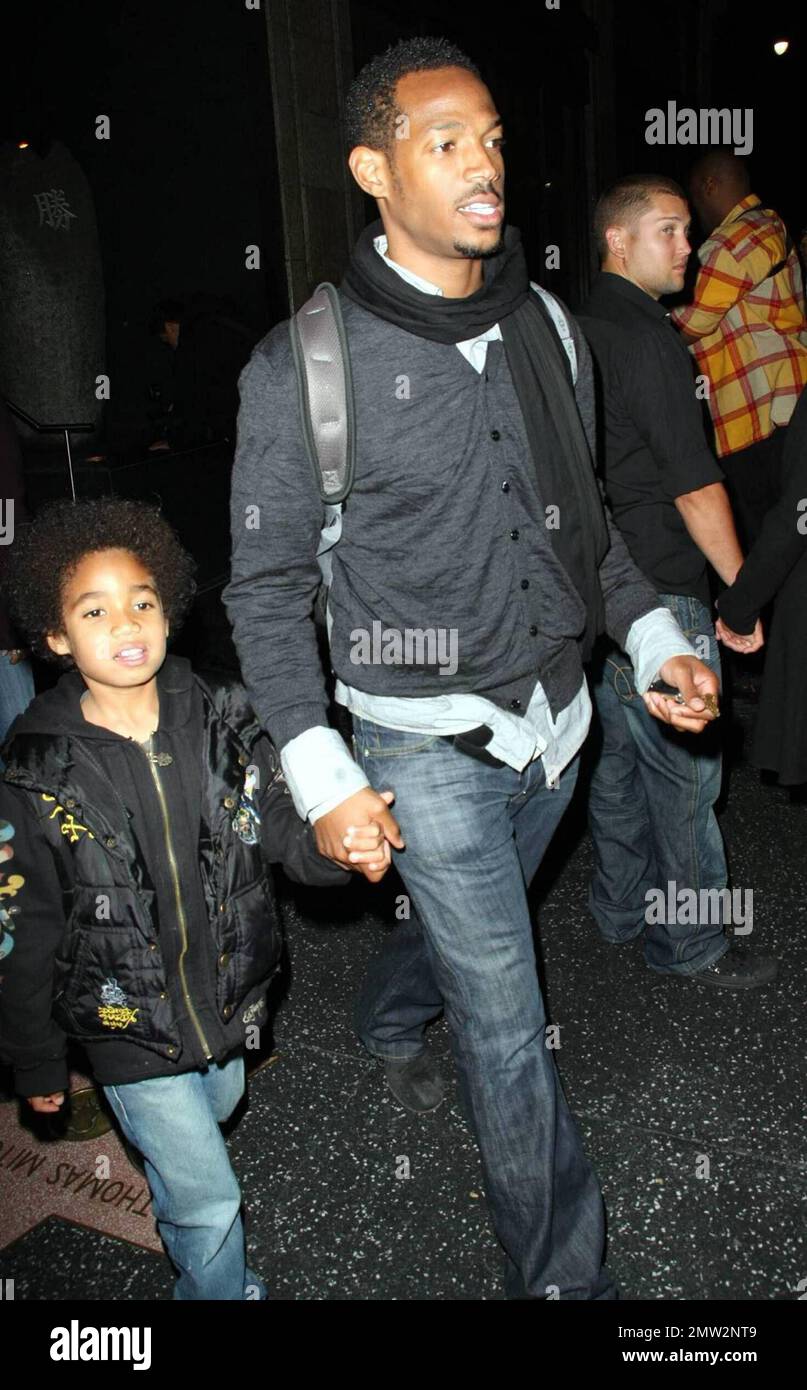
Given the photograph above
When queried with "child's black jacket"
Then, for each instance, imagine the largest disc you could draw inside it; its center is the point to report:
(137, 911)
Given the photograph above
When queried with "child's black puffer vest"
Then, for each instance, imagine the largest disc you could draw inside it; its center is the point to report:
(109, 969)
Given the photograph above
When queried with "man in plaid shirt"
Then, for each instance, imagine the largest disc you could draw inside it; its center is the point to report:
(747, 328)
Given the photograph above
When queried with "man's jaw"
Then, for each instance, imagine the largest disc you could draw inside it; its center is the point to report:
(479, 253)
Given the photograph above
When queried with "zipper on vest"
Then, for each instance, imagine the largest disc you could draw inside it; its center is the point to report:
(153, 759)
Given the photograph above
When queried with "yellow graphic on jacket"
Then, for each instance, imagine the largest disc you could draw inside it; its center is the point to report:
(69, 826)
(114, 1011)
(116, 1018)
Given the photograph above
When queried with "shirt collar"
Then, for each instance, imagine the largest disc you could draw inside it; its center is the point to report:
(380, 244)
(491, 335)
(617, 284)
(749, 201)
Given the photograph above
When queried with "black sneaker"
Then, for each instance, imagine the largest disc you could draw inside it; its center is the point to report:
(416, 1083)
(739, 968)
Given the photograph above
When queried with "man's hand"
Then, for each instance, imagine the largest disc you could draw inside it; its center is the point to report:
(746, 643)
(46, 1105)
(362, 809)
(694, 679)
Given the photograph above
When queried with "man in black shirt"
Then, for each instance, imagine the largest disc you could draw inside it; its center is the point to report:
(658, 846)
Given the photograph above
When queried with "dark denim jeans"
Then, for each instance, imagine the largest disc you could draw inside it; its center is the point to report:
(474, 837)
(651, 810)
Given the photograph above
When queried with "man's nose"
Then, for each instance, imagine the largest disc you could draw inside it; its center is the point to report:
(481, 168)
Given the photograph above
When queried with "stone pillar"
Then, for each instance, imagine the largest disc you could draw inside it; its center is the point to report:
(310, 60)
(52, 301)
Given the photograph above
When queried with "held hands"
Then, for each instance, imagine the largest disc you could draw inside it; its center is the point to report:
(746, 643)
(358, 833)
(46, 1105)
(694, 680)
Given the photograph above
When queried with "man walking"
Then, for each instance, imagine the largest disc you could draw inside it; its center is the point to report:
(652, 795)
(747, 329)
(470, 450)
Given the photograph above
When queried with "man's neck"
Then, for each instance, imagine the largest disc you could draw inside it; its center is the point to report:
(134, 713)
(727, 210)
(616, 268)
(457, 276)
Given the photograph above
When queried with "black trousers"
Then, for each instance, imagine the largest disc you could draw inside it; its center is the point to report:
(753, 479)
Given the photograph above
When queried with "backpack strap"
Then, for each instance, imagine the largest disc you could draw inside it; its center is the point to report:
(325, 389)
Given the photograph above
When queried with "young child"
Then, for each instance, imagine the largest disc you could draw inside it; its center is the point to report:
(141, 804)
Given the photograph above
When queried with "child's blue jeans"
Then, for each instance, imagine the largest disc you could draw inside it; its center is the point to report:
(174, 1122)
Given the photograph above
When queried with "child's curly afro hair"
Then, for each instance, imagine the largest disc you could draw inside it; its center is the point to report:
(45, 554)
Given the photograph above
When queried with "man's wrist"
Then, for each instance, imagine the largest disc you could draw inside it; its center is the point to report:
(317, 812)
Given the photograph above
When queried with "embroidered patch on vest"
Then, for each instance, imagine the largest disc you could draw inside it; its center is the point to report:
(246, 821)
(114, 1011)
(254, 1011)
(69, 826)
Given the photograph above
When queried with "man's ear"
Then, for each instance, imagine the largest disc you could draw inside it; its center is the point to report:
(58, 643)
(370, 169)
(615, 237)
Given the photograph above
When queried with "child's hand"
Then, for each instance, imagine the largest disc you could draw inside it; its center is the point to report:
(46, 1105)
(367, 844)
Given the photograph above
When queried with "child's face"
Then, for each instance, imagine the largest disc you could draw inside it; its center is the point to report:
(113, 622)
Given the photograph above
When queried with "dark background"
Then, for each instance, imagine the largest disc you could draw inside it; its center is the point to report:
(190, 175)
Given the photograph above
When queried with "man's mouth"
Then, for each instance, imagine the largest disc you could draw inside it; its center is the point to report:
(482, 211)
(131, 656)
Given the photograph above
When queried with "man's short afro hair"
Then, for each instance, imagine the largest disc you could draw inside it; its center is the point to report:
(370, 106)
(45, 553)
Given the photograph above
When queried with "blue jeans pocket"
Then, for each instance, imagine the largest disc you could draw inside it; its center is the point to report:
(378, 741)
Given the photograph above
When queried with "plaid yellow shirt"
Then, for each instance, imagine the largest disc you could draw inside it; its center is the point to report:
(750, 326)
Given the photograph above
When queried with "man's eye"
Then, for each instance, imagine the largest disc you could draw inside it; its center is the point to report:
(444, 145)
(500, 142)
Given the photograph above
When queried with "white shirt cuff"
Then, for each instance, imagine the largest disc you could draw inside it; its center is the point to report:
(320, 772)
(651, 641)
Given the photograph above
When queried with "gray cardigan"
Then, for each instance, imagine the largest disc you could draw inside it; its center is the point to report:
(446, 527)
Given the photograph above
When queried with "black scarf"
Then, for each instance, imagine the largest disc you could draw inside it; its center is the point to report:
(541, 376)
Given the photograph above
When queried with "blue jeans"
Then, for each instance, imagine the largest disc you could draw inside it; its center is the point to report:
(651, 811)
(474, 837)
(174, 1122)
(16, 693)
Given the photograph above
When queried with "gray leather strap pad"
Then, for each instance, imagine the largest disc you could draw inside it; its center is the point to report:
(325, 388)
